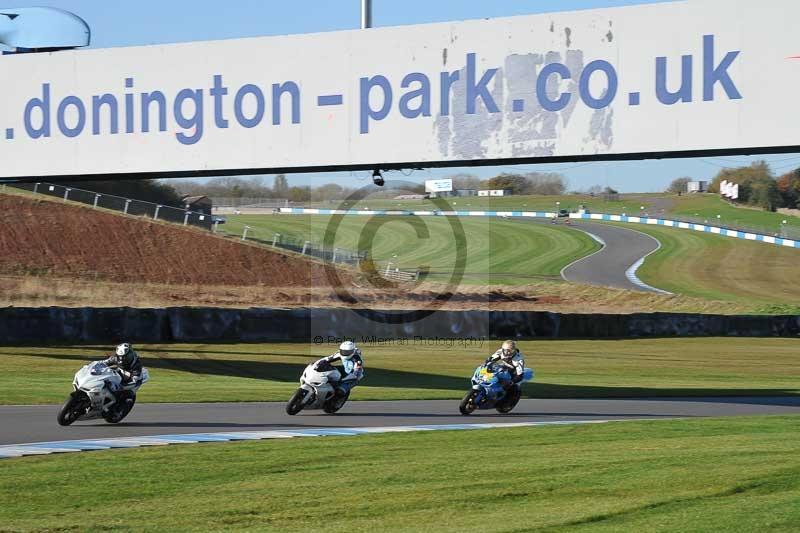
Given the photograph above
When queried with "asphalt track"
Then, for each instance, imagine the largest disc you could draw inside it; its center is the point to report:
(28, 424)
(609, 266)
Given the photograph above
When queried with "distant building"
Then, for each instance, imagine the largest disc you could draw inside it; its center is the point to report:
(411, 197)
(697, 186)
(455, 193)
(496, 192)
(197, 204)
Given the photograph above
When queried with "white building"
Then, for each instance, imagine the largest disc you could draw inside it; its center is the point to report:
(697, 186)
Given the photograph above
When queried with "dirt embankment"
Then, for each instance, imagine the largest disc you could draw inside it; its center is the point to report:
(47, 238)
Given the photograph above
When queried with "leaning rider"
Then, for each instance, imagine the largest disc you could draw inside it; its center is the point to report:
(353, 366)
(127, 363)
(510, 357)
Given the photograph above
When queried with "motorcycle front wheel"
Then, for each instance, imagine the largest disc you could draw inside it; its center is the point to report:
(468, 403)
(69, 412)
(295, 404)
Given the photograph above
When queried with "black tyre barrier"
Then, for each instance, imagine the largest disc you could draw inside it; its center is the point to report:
(20, 325)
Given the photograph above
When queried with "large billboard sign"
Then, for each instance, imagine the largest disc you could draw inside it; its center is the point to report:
(650, 80)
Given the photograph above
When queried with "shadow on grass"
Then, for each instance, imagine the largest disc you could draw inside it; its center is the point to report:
(401, 379)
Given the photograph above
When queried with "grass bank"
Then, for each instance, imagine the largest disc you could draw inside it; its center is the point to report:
(736, 474)
(564, 369)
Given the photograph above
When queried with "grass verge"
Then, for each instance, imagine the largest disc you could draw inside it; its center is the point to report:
(732, 474)
(564, 369)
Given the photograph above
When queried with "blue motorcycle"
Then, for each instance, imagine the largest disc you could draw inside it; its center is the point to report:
(492, 389)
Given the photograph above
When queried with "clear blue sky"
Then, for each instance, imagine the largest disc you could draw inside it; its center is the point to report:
(141, 22)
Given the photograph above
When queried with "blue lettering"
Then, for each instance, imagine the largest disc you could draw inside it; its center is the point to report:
(367, 112)
(97, 103)
(147, 99)
(238, 103)
(712, 74)
(42, 103)
(129, 126)
(447, 79)
(423, 93)
(217, 92)
(684, 94)
(608, 94)
(479, 89)
(278, 90)
(542, 83)
(62, 110)
(194, 121)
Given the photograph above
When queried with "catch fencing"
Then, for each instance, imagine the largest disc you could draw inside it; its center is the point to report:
(303, 246)
(127, 206)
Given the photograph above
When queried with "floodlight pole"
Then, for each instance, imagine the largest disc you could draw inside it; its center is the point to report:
(366, 14)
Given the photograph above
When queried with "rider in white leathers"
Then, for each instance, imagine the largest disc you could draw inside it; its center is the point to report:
(352, 363)
(509, 356)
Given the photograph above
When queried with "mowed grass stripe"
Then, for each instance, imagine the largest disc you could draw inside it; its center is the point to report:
(721, 268)
(732, 474)
(416, 370)
(497, 251)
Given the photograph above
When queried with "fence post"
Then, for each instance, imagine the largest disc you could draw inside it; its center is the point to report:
(244, 233)
(186, 218)
(96, 198)
(305, 245)
(275, 239)
(66, 193)
(36, 187)
(127, 203)
(155, 216)
(216, 225)
(334, 255)
(388, 268)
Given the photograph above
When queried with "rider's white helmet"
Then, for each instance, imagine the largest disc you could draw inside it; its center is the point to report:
(508, 349)
(123, 349)
(347, 349)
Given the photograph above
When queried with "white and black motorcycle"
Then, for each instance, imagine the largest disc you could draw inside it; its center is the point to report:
(94, 396)
(318, 390)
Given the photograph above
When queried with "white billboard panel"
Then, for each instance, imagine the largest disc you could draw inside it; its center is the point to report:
(665, 78)
(723, 188)
(445, 185)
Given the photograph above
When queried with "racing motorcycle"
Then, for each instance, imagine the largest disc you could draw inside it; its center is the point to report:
(94, 396)
(317, 390)
(489, 389)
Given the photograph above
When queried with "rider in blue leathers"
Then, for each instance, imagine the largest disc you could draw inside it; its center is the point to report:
(510, 357)
(352, 363)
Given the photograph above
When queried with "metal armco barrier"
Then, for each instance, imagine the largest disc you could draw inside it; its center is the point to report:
(190, 324)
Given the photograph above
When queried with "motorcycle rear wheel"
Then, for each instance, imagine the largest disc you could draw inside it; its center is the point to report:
(510, 401)
(119, 413)
(69, 411)
(334, 404)
(295, 404)
(468, 403)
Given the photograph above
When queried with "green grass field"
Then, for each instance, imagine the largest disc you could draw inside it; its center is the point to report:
(731, 474)
(723, 268)
(579, 368)
(548, 204)
(497, 251)
(708, 206)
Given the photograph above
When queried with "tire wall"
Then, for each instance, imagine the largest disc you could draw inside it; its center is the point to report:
(191, 324)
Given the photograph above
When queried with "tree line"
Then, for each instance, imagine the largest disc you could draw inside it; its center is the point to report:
(757, 186)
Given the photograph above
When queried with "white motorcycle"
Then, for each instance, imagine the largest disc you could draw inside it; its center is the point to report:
(317, 390)
(93, 397)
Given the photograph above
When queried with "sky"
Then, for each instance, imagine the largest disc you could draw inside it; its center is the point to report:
(142, 22)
